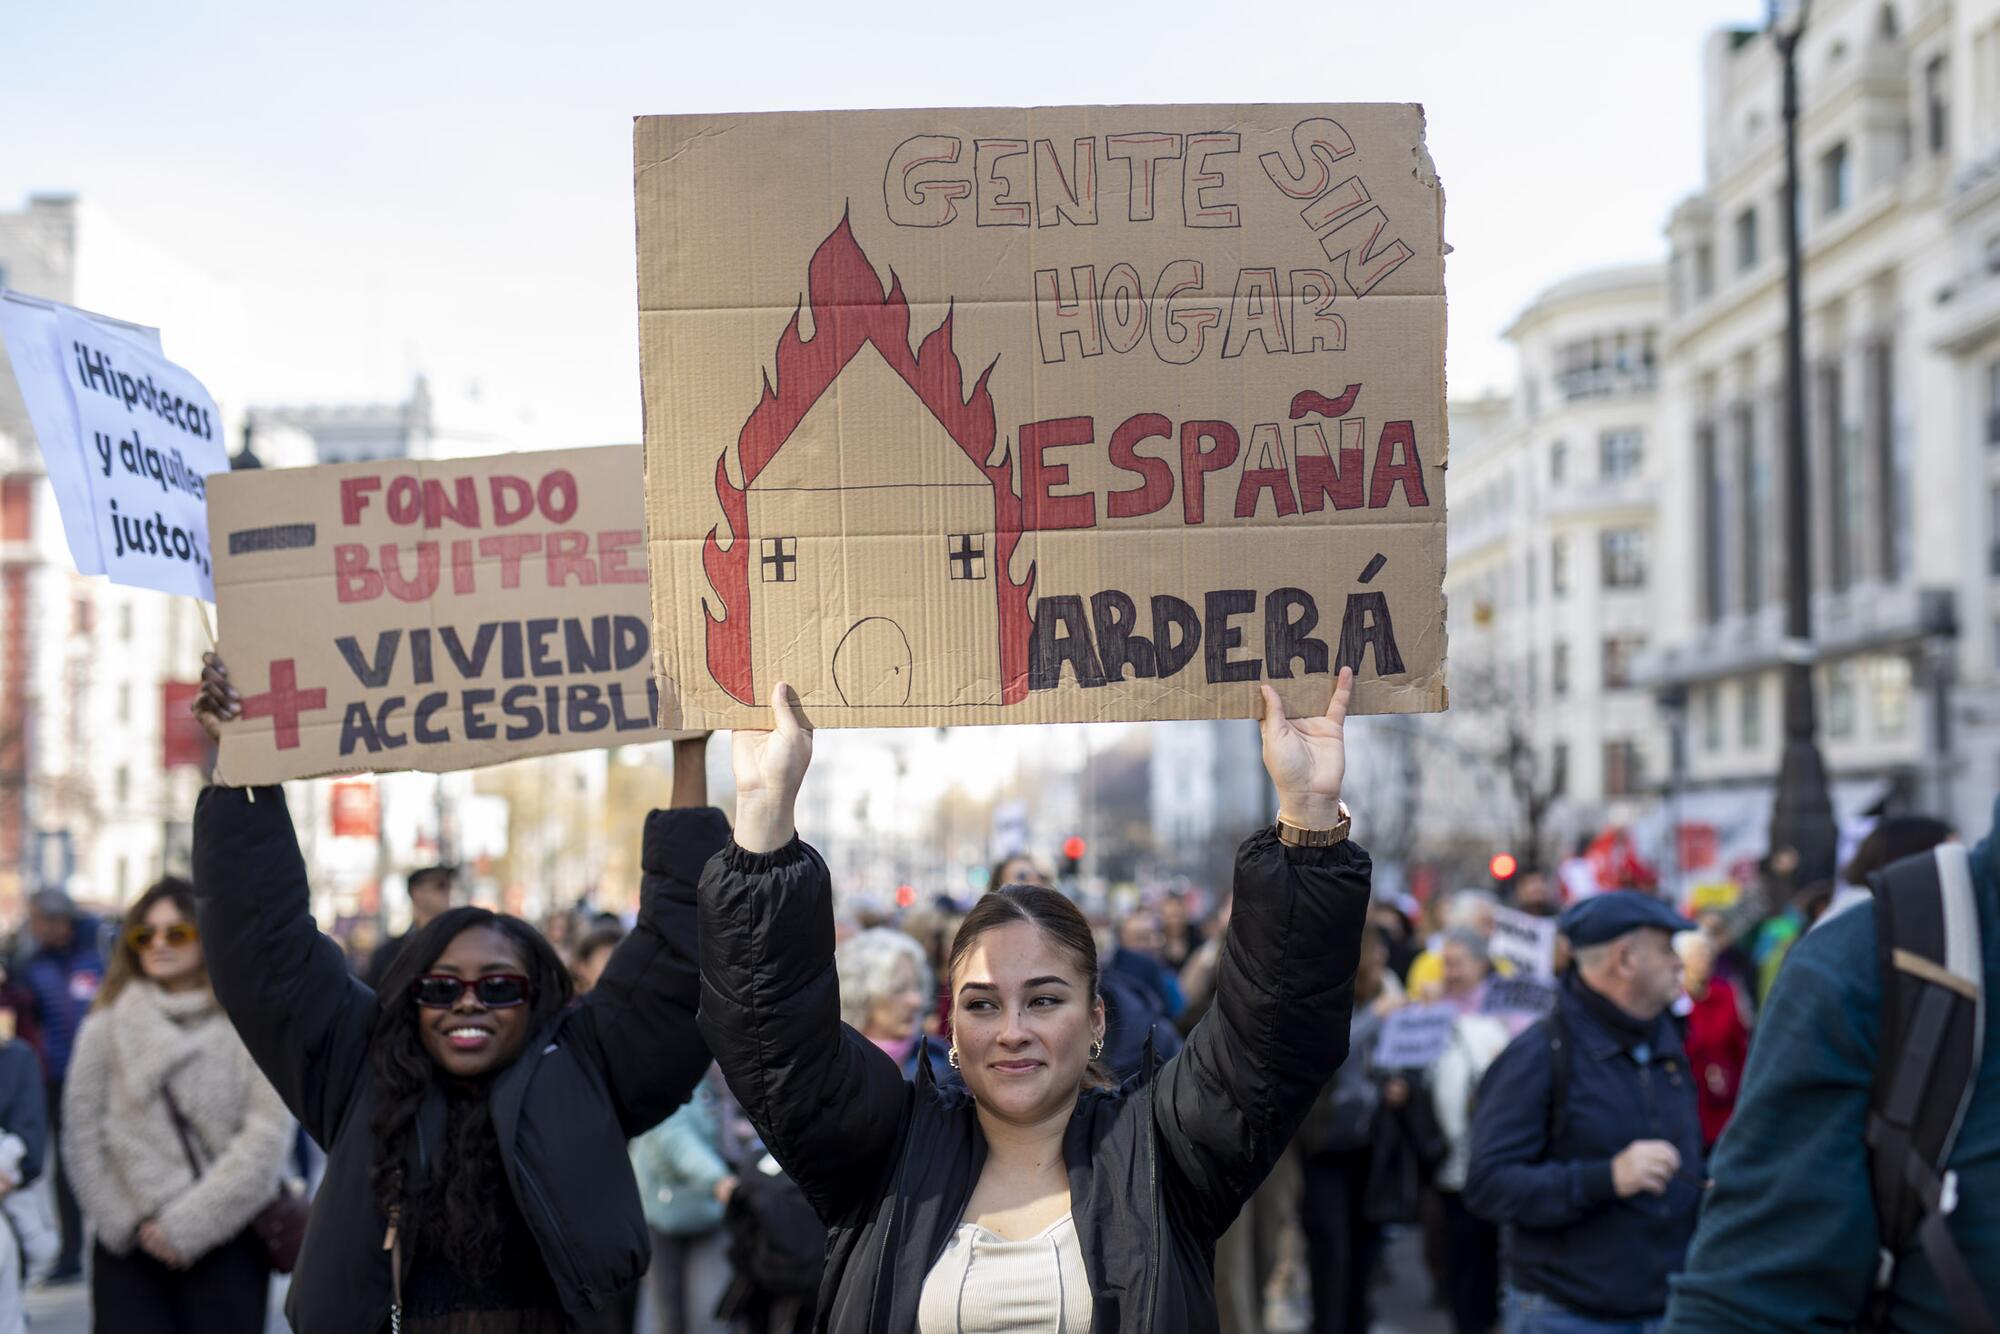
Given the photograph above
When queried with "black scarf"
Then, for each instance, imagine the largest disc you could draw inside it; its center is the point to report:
(1629, 1031)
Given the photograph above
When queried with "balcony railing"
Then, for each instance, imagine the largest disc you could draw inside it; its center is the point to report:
(1606, 381)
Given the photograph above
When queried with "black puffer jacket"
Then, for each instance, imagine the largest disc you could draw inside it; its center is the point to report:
(1157, 1169)
(603, 1071)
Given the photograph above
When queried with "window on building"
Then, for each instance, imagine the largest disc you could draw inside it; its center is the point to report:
(1750, 714)
(1624, 558)
(1746, 240)
(1889, 678)
(124, 701)
(1704, 271)
(1937, 118)
(1993, 404)
(1623, 772)
(121, 785)
(1620, 454)
(1559, 460)
(125, 622)
(1559, 567)
(1840, 701)
(1534, 580)
(17, 509)
(1835, 181)
(1993, 530)
(1559, 768)
(1711, 719)
(1753, 481)
(123, 877)
(1830, 440)
(1619, 652)
(1559, 669)
(1712, 499)
(1892, 493)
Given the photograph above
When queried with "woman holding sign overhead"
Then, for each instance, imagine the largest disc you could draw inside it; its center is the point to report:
(474, 1117)
(1035, 1196)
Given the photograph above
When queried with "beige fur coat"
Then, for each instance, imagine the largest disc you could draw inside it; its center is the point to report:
(124, 1158)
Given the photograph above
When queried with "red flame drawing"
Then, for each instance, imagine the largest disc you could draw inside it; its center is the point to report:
(850, 309)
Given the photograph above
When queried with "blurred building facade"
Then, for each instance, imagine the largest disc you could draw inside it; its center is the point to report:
(1886, 430)
(1550, 579)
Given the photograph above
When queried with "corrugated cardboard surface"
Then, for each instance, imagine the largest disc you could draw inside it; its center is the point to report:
(433, 614)
(980, 416)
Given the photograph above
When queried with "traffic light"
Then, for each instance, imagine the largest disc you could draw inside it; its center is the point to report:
(906, 896)
(1503, 866)
(1073, 849)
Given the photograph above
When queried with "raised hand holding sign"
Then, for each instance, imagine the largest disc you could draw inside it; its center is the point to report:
(770, 766)
(1307, 757)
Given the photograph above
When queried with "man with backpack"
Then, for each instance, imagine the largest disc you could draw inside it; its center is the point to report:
(1586, 1141)
(1858, 1184)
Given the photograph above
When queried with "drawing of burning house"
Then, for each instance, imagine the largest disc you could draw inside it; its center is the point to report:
(868, 553)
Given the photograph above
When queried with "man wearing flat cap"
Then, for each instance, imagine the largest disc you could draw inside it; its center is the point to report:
(1586, 1142)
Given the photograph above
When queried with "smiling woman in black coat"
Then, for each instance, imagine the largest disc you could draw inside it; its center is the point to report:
(1034, 1187)
(474, 1118)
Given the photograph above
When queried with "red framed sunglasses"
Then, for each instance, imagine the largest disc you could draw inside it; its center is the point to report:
(495, 991)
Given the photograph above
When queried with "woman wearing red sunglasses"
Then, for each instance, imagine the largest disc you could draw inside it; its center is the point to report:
(474, 1119)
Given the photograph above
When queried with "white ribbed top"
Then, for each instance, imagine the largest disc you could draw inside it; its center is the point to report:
(985, 1284)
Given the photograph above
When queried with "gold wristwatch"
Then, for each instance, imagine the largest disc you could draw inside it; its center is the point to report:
(1298, 837)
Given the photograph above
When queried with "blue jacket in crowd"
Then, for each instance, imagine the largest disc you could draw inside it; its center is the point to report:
(63, 983)
(1789, 1236)
(1567, 1235)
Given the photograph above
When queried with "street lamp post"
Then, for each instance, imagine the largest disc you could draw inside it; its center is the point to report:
(1802, 814)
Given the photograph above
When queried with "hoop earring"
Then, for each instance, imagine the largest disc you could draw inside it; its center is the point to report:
(1097, 1049)
(952, 1058)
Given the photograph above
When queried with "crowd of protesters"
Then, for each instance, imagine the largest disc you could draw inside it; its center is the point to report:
(980, 1115)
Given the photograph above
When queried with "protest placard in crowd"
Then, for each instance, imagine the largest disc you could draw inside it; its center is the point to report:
(1051, 414)
(128, 438)
(1414, 1036)
(1524, 940)
(1518, 995)
(434, 614)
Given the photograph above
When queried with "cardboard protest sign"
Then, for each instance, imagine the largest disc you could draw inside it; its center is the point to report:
(1524, 940)
(1414, 1036)
(1051, 414)
(128, 439)
(434, 614)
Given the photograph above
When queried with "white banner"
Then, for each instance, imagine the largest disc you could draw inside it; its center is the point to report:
(128, 439)
(1526, 941)
(1414, 1037)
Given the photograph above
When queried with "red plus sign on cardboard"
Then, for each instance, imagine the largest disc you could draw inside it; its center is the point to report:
(283, 703)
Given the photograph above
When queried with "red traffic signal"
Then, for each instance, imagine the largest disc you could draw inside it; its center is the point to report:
(1074, 848)
(1503, 866)
(906, 896)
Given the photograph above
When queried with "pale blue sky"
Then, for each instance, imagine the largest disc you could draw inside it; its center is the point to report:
(447, 185)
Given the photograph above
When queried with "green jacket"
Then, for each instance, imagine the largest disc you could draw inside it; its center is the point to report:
(1788, 1236)
(678, 1165)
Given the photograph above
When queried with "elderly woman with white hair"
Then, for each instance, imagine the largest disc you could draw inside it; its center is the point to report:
(886, 993)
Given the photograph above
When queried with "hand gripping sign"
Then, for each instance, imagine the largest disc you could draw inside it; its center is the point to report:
(1051, 414)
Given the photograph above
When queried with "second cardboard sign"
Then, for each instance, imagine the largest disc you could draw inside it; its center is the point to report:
(1033, 415)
